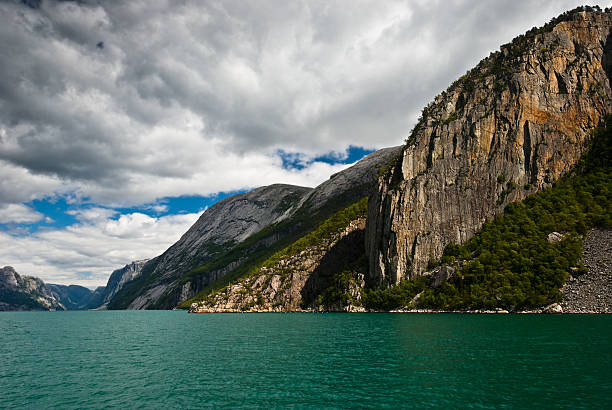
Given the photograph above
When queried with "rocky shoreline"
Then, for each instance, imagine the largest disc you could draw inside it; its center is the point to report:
(551, 309)
(590, 293)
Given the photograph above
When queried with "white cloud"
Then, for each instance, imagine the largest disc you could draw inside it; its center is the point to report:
(92, 214)
(96, 246)
(16, 213)
(18, 184)
(159, 208)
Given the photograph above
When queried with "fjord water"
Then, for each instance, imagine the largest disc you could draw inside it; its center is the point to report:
(164, 359)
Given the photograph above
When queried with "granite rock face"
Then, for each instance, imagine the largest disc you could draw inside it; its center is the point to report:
(508, 128)
(25, 293)
(9, 278)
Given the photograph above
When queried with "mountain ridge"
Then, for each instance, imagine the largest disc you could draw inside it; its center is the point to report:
(214, 248)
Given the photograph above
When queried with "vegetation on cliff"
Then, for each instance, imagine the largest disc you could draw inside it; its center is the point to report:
(328, 228)
(304, 230)
(333, 283)
(511, 263)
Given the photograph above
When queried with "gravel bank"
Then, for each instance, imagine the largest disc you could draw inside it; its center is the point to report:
(592, 292)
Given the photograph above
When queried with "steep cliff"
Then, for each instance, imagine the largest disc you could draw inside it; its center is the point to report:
(235, 234)
(25, 293)
(521, 259)
(509, 128)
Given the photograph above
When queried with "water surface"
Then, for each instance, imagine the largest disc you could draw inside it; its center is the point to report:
(176, 360)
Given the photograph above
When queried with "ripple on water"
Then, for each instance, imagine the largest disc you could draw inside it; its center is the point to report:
(175, 360)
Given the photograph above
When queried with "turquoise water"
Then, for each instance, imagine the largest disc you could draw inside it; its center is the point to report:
(176, 360)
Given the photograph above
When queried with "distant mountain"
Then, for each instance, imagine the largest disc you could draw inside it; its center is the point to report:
(25, 293)
(31, 293)
(118, 279)
(74, 297)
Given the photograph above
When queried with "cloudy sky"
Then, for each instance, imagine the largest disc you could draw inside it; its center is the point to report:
(121, 121)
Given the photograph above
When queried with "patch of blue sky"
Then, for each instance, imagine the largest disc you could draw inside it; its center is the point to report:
(55, 211)
(178, 205)
(56, 214)
(353, 154)
(60, 212)
(300, 161)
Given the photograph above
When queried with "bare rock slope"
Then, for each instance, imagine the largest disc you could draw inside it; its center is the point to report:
(120, 277)
(220, 227)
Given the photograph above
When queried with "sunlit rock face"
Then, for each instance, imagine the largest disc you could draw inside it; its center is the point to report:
(509, 128)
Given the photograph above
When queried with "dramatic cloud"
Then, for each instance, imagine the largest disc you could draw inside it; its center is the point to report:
(118, 104)
(174, 94)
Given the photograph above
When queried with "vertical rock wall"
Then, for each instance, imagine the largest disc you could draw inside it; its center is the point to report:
(508, 128)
